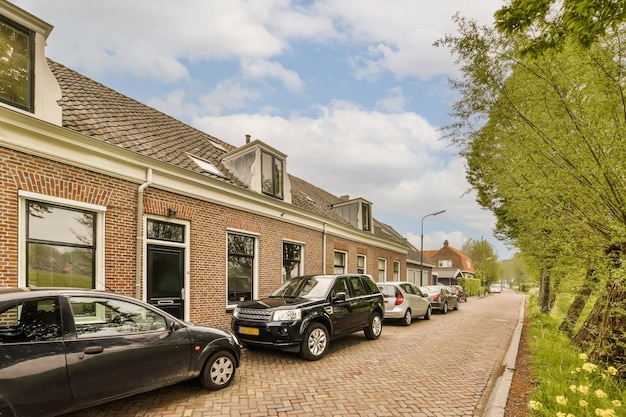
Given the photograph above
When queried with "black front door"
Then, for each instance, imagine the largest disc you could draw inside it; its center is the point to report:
(166, 278)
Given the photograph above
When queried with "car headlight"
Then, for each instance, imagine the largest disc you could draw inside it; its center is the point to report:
(287, 315)
(236, 312)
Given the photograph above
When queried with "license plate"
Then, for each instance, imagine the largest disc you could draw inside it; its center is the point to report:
(252, 331)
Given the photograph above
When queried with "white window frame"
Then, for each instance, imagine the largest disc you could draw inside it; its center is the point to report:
(384, 270)
(100, 212)
(301, 264)
(345, 258)
(364, 257)
(396, 270)
(185, 245)
(255, 263)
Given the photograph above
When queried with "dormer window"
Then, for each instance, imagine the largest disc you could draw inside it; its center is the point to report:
(271, 175)
(357, 212)
(17, 45)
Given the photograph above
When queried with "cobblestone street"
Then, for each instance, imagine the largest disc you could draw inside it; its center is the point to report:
(436, 368)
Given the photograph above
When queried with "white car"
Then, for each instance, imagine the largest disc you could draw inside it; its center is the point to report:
(495, 288)
(404, 301)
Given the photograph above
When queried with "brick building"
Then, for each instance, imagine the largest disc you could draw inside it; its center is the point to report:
(101, 191)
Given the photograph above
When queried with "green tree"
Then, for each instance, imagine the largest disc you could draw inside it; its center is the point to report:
(543, 137)
(550, 24)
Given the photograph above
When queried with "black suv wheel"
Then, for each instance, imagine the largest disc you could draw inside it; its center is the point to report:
(315, 342)
(375, 327)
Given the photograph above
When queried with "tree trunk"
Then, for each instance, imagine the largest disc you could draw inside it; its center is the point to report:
(577, 307)
(544, 296)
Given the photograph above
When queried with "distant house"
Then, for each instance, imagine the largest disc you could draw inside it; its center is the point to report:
(450, 265)
(101, 191)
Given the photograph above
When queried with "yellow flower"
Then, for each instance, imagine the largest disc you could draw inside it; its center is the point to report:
(583, 403)
(573, 388)
(560, 399)
(616, 403)
(612, 370)
(600, 394)
(584, 389)
(583, 356)
(535, 405)
(570, 415)
(605, 413)
(560, 414)
(589, 367)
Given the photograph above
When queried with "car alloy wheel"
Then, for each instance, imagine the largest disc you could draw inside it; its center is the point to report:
(406, 320)
(315, 342)
(219, 371)
(444, 310)
(375, 327)
(429, 310)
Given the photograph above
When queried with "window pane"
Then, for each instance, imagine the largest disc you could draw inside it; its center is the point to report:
(291, 260)
(278, 177)
(15, 66)
(60, 266)
(56, 224)
(171, 232)
(267, 171)
(240, 268)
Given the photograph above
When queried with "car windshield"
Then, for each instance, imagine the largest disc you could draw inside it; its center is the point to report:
(387, 290)
(314, 287)
(431, 289)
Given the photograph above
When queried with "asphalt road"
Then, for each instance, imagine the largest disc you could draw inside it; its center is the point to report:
(445, 366)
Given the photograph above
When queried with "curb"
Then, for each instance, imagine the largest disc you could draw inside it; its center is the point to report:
(500, 393)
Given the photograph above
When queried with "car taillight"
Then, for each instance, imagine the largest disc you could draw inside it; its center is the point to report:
(399, 299)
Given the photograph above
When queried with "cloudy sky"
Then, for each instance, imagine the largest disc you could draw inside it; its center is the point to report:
(353, 91)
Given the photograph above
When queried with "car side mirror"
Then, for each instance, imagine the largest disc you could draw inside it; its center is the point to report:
(340, 296)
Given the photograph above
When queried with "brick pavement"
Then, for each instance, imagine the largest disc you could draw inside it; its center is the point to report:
(437, 368)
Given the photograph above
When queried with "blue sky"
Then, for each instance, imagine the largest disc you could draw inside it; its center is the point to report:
(353, 91)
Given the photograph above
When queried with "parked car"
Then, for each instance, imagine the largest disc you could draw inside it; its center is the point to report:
(404, 301)
(495, 288)
(63, 350)
(305, 313)
(441, 298)
(459, 291)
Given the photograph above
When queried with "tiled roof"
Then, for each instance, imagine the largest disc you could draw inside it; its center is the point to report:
(104, 114)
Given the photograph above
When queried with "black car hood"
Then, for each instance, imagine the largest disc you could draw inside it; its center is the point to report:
(280, 302)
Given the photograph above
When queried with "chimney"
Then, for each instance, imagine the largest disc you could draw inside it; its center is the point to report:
(247, 139)
(445, 244)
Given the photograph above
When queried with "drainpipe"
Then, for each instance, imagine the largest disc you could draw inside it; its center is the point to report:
(324, 249)
(139, 255)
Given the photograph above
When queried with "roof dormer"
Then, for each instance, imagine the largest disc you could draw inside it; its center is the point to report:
(357, 212)
(26, 82)
(261, 167)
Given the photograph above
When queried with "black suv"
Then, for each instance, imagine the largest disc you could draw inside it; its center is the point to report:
(306, 312)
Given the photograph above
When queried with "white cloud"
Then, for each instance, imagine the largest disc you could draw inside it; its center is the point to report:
(259, 69)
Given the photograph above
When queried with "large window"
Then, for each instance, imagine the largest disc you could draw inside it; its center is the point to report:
(16, 65)
(60, 246)
(241, 253)
(340, 263)
(271, 175)
(292, 260)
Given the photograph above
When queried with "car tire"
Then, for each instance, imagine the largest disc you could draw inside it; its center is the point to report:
(315, 342)
(429, 311)
(374, 327)
(406, 320)
(444, 309)
(219, 371)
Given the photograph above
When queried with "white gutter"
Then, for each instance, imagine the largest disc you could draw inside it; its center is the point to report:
(139, 250)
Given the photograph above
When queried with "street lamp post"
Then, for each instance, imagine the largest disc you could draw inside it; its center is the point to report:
(422, 245)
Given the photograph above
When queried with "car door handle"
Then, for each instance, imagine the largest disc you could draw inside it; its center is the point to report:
(93, 350)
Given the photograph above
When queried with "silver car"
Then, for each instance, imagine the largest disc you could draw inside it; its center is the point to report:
(404, 301)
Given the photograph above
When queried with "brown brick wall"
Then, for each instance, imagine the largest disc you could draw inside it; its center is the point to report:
(210, 224)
